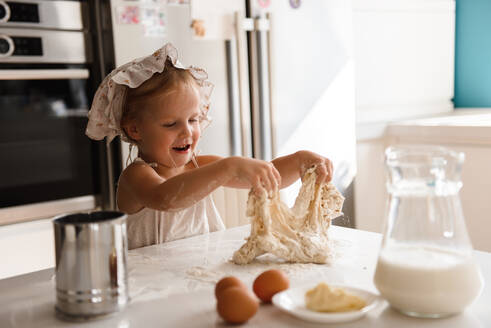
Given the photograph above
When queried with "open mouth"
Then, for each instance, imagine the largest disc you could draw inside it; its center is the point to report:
(182, 148)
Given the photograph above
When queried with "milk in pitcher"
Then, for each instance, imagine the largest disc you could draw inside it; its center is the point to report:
(426, 267)
(426, 281)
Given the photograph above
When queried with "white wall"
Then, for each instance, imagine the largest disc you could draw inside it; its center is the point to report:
(404, 57)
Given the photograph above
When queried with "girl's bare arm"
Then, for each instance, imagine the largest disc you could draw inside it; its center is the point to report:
(293, 166)
(140, 186)
(290, 167)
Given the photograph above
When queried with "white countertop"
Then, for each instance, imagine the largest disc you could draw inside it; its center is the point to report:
(172, 284)
(460, 125)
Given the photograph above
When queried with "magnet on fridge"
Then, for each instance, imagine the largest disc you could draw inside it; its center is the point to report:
(264, 3)
(178, 2)
(295, 3)
(198, 25)
(214, 19)
(128, 15)
(153, 20)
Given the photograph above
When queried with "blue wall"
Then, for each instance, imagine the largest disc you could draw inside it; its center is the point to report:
(473, 53)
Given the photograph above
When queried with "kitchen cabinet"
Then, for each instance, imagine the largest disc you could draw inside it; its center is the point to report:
(26, 247)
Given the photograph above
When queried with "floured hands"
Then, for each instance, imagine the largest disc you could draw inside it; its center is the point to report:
(324, 170)
(255, 173)
(260, 175)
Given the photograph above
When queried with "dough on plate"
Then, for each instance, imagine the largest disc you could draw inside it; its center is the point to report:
(297, 234)
(324, 298)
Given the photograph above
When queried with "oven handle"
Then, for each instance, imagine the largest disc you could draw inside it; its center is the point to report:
(43, 74)
(6, 8)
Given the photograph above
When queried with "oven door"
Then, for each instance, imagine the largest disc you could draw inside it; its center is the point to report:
(45, 153)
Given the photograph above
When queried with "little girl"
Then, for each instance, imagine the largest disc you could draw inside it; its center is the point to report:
(161, 107)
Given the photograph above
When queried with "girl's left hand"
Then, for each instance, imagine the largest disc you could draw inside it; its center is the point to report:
(324, 168)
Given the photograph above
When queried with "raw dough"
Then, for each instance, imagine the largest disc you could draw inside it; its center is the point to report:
(329, 299)
(297, 234)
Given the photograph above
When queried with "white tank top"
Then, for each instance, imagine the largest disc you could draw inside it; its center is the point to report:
(148, 226)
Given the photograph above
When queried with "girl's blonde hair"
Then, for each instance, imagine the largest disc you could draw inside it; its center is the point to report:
(159, 85)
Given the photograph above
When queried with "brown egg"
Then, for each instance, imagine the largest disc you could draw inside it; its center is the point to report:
(227, 282)
(269, 283)
(236, 305)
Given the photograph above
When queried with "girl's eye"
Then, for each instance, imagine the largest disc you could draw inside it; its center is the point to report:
(193, 120)
(169, 125)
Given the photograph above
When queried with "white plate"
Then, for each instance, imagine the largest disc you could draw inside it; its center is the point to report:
(293, 301)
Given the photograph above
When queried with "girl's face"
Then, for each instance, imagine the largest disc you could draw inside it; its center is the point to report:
(169, 128)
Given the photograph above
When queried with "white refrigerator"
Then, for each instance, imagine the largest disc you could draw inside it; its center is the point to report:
(282, 70)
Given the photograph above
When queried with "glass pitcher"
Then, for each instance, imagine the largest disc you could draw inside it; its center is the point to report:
(426, 267)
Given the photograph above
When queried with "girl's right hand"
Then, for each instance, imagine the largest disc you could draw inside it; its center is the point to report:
(256, 173)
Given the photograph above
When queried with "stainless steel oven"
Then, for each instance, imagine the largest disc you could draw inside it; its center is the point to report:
(50, 66)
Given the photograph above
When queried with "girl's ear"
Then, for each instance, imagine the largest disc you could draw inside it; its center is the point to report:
(132, 131)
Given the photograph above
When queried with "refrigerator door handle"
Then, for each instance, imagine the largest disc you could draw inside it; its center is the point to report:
(233, 99)
(241, 26)
(260, 88)
(262, 24)
(259, 107)
(272, 93)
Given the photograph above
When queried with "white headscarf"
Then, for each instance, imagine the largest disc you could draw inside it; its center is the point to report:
(107, 106)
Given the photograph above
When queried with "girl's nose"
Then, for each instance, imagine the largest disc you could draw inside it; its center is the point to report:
(187, 130)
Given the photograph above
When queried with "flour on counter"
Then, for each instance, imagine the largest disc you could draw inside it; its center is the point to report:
(297, 234)
(203, 274)
(247, 273)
